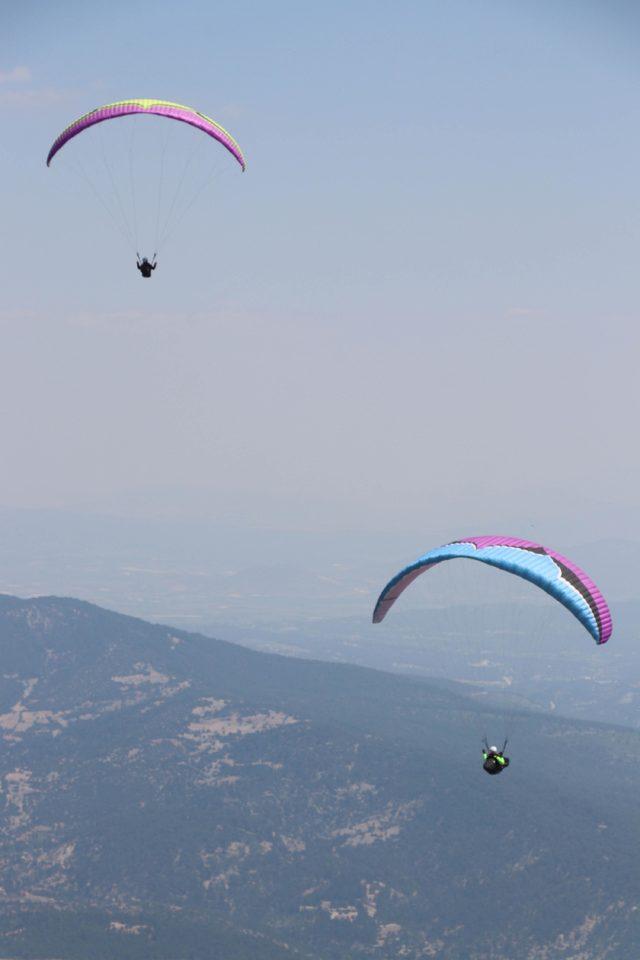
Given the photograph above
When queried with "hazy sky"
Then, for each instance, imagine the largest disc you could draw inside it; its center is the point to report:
(418, 305)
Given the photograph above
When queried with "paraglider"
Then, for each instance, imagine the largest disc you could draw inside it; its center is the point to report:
(145, 266)
(148, 184)
(550, 571)
(494, 760)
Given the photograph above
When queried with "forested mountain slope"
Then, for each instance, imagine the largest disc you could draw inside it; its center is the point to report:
(167, 794)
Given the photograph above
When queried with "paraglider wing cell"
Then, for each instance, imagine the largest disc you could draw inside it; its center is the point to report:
(549, 570)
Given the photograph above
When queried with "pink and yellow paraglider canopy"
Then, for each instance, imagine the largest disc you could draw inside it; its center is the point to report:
(160, 108)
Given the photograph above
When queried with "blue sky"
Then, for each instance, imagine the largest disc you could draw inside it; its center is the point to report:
(420, 300)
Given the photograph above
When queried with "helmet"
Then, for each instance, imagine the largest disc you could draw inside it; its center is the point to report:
(493, 750)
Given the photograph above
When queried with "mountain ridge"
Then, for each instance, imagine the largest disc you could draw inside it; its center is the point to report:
(333, 810)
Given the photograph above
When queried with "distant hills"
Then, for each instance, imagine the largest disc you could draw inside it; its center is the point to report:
(170, 795)
(203, 571)
(547, 662)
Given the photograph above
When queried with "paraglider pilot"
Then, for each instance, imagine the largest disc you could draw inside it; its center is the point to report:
(494, 760)
(144, 266)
